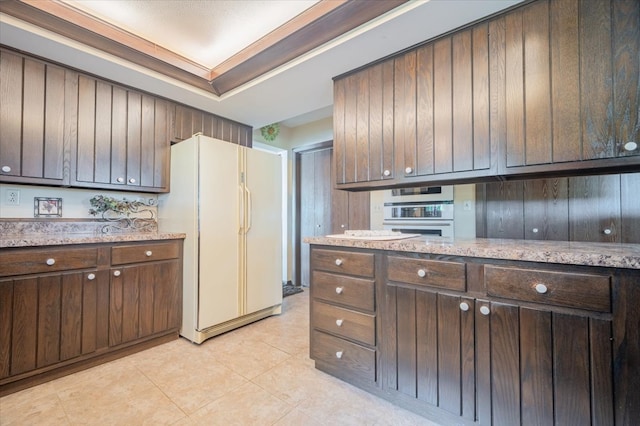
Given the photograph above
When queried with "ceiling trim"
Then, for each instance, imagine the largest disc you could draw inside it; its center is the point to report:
(319, 24)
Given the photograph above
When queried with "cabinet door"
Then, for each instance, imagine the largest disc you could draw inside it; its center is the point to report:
(115, 127)
(429, 348)
(541, 367)
(144, 299)
(51, 318)
(551, 116)
(32, 146)
(546, 212)
(594, 208)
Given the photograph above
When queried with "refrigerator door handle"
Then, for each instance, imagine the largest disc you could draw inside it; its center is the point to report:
(241, 213)
(249, 209)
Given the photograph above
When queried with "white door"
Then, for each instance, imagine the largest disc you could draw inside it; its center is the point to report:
(263, 243)
(219, 211)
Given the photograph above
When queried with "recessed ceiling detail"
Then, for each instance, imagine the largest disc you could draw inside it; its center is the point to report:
(307, 25)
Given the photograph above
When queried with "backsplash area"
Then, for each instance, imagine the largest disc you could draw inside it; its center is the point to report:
(75, 202)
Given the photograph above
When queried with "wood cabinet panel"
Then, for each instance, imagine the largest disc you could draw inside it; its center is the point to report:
(21, 262)
(344, 262)
(505, 210)
(424, 116)
(629, 208)
(594, 208)
(346, 357)
(546, 209)
(443, 104)
(11, 70)
(438, 273)
(354, 292)
(119, 132)
(481, 107)
(148, 252)
(344, 322)
(32, 145)
(405, 113)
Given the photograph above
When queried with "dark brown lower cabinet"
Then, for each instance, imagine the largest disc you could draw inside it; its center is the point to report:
(472, 341)
(65, 308)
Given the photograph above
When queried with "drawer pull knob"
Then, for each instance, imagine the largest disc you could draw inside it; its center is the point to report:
(6, 169)
(464, 306)
(339, 290)
(338, 262)
(408, 170)
(607, 231)
(541, 288)
(386, 173)
(339, 354)
(120, 180)
(116, 273)
(148, 253)
(51, 262)
(534, 230)
(422, 273)
(339, 322)
(132, 180)
(342, 226)
(484, 310)
(91, 277)
(630, 146)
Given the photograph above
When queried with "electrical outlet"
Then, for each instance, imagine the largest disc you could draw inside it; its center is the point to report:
(13, 197)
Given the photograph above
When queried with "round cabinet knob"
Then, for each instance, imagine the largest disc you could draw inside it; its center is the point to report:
(422, 273)
(51, 262)
(339, 290)
(6, 169)
(464, 306)
(91, 277)
(342, 226)
(386, 173)
(484, 310)
(534, 230)
(120, 180)
(116, 273)
(132, 180)
(408, 170)
(338, 262)
(148, 253)
(339, 322)
(339, 354)
(318, 225)
(607, 231)
(629, 146)
(541, 288)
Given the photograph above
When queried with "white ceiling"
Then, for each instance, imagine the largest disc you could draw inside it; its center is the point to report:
(292, 94)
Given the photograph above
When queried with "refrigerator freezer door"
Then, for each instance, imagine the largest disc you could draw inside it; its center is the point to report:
(263, 243)
(219, 212)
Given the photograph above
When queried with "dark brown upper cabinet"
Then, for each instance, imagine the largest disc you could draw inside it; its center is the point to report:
(122, 137)
(364, 125)
(32, 121)
(190, 121)
(571, 83)
(548, 88)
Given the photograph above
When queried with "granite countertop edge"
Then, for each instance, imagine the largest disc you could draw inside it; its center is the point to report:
(65, 239)
(611, 255)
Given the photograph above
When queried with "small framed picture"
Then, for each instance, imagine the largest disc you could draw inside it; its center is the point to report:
(47, 207)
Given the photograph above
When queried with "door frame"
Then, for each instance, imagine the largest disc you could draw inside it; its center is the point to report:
(297, 153)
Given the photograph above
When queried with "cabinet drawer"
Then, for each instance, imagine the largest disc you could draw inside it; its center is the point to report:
(347, 357)
(344, 322)
(25, 261)
(434, 273)
(574, 290)
(354, 292)
(144, 253)
(343, 262)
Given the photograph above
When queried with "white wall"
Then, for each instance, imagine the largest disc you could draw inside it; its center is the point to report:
(290, 138)
(75, 202)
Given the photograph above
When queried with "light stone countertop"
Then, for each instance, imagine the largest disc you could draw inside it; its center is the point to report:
(39, 240)
(610, 255)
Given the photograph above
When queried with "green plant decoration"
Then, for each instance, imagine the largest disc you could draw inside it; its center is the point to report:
(270, 132)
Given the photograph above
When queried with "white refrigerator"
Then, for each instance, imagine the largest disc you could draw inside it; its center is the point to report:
(227, 199)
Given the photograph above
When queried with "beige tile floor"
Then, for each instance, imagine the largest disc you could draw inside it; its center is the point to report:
(260, 374)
